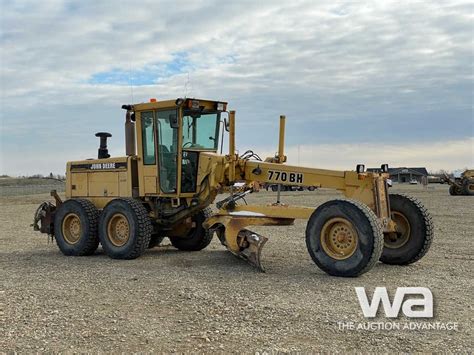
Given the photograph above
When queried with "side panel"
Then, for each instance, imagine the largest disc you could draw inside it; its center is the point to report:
(149, 184)
(124, 184)
(133, 176)
(79, 184)
(103, 184)
(109, 178)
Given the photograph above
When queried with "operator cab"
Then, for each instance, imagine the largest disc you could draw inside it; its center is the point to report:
(167, 130)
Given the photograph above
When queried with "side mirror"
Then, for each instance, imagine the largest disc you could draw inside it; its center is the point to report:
(173, 118)
(226, 124)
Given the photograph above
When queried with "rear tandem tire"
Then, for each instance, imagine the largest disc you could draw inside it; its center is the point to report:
(415, 231)
(344, 238)
(124, 228)
(197, 238)
(75, 227)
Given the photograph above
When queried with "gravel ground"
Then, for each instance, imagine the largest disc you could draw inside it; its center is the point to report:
(210, 301)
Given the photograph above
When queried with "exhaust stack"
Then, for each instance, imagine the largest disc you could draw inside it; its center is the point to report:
(103, 152)
(130, 146)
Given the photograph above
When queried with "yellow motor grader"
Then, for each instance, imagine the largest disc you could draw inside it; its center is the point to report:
(463, 185)
(172, 173)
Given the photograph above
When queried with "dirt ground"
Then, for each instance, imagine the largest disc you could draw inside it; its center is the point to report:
(210, 301)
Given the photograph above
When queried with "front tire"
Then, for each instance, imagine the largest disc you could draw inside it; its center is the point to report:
(414, 231)
(344, 238)
(455, 190)
(198, 237)
(75, 227)
(124, 229)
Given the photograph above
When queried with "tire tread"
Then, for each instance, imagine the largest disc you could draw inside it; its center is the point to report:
(378, 240)
(202, 242)
(428, 222)
(377, 228)
(144, 229)
(93, 215)
(92, 241)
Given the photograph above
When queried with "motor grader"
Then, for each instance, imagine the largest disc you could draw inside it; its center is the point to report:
(172, 173)
(463, 185)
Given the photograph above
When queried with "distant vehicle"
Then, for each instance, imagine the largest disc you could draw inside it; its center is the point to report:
(461, 184)
(413, 182)
(433, 179)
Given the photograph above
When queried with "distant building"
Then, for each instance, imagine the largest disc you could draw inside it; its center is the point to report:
(402, 175)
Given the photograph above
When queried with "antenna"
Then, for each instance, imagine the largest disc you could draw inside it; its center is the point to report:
(186, 85)
(130, 79)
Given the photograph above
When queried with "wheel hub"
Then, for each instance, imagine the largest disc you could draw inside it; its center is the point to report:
(339, 239)
(71, 228)
(402, 232)
(118, 230)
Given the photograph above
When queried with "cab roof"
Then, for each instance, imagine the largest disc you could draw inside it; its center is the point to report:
(183, 102)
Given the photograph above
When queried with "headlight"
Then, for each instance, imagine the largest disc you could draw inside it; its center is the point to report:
(193, 104)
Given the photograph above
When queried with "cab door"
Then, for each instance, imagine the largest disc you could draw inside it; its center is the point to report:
(168, 151)
(146, 138)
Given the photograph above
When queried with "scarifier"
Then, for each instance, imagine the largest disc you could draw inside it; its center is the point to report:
(172, 173)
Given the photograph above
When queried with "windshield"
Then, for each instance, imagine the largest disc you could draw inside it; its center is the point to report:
(200, 130)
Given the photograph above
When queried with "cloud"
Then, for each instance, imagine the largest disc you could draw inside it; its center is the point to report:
(435, 156)
(382, 73)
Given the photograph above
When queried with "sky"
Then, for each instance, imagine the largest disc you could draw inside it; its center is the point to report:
(366, 82)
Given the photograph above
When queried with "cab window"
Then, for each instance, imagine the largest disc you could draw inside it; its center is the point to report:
(148, 138)
(200, 130)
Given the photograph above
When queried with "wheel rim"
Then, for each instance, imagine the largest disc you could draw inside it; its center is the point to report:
(71, 228)
(339, 239)
(402, 234)
(118, 230)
